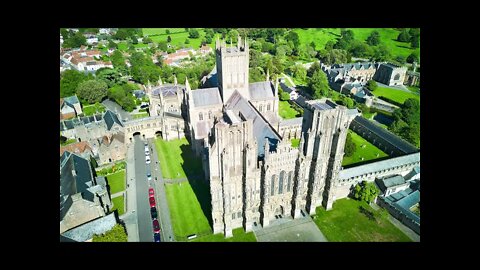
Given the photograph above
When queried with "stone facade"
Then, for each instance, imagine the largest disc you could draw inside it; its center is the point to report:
(390, 74)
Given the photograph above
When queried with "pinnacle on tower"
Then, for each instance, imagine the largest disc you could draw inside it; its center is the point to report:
(174, 79)
(268, 75)
(159, 80)
(239, 40)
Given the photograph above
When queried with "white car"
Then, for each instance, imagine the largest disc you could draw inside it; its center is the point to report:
(147, 159)
(149, 176)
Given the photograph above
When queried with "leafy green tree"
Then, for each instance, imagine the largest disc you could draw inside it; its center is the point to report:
(365, 191)
(169, 39)
(350, 146)
(372, 85)
(112, 44)
(167, 31)
(208, 40)
(319, 85)
(313, 68)
(293, 36)
(109, 76)
(64, 32)
(116, 234)
(134, 40)
(374, 38)
(147, 40)
(232, 36)
(414, 32)
(162, 45)
(400, 59)
(118, 62)
(415, 41)
(92, 91)
(187, 41)
(359, 49)
(70, 79)
(313, 45)
(255, 75)
(329, 45)
(75, 41)
(413, 57)
(193, 33)
(404, 36)
(381, 53)
(406, 122)
(334, 56)
(347, 35)
(299, 72)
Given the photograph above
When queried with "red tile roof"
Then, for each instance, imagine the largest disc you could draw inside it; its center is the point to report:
(78, 147)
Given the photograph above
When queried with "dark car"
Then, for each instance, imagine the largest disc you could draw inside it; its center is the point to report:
(152, 201)
(153, 212)
(156, 237)
(156, 226)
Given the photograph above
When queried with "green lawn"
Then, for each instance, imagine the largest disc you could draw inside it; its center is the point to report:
(414, 89)
(118, 204)
(388, 36)
(239, 235)
(394, 94)
(67, 142)
(185, 210)
(368, 152)
(93, 109)
(140, 115)
(368, 115)
(286, 111)
(179, 38)
(160, 31)
(116, 181)
(295, 143)
(345, 223)
(173, 154)
(122, 46)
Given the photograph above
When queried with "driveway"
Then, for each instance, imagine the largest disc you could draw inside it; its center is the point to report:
(114, 107)
(290, 230)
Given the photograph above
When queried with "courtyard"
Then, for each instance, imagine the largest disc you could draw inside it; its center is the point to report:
(364, 150)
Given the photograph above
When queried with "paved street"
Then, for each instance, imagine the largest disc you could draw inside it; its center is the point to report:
(290, 230)
(144, 220)
(161, 196)
(114, 107)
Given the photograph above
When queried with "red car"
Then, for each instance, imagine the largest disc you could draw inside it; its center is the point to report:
(156, 226)
(152, 201)
(151, 193)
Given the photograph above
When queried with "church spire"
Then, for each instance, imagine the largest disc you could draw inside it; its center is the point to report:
(268, 75)
(174, 79)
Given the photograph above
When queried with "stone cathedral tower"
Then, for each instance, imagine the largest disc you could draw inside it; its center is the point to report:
(232, 69)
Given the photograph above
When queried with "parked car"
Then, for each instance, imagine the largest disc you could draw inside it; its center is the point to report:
(149, 176)
(151, 192)
(147, 159)
(156, 226)
(153, 212)
(152, 201)
(156, 237)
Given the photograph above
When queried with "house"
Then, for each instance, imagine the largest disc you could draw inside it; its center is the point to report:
(86, 231)
(86, 60)
(112, 148)
(391, 184)
(82, 198)
(204, 50)
(82, 149)
(70, 107)
(390, 74)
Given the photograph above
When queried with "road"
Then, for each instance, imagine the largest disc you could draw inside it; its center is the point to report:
(160, 196)
(144, 220)
(114, 107)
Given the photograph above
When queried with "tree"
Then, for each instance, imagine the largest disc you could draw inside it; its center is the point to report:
(116, 234)
(406, 122)
(255, 75)
(374, 38)
(147, 40)
(350, 146)
(134, 40)
(109, 76)
(365, 191)
(413, 57)
(162, 45)
(193, 33)
(208, 40)
(232, 36)
(69, 80)
(118, 62)
(381, 53)
(329, 45)
(92, 91)
(112, 44)
(415, 41)
(404, 36)
(313, 45)
(293, 36)
(319, 84)
(64, 32)
(75, 41)
(187, 41)
(167, 31)
(372, 85)
(359, 49)
(347, 35)
(414, 32)
(169, 39)
(313, 68)
(400, 59)
(299, 72)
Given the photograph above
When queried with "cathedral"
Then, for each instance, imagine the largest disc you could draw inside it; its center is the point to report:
(254, 173)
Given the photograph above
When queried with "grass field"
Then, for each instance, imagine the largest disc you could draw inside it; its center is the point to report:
(387, 35)
(160, 31)
(393, 94)
(140, 115)
(178, 37)
(239, 235)
(116, 181)
(368, 152)
(118, 204)
(286, 111)
(172, 156)
(295, 143)
(92, 109)
(414, 89)
(345, 223)
(185, 210)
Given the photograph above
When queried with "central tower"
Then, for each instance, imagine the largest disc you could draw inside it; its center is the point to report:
(232, 69)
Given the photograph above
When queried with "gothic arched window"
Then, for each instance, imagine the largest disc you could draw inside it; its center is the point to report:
(268, 107)
(280, 182)
(260, 108)
(210, 115)
(200, 116)
(272, 186)
(289, 181)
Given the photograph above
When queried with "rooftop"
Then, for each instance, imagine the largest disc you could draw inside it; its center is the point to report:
(206, 97)
(86, 231)
(260, 90)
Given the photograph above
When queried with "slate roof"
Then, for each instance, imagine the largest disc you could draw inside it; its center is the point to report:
(291, 122)
(206, 97)
(261, 129)
(399, 143)
(390, 182)
(84, 177)
(379, 166)
(167, 89)
(71, 100)
(260, 90)
(111, 118)
(86, 231)
(403, 200)
(320, 104)
(69, 124)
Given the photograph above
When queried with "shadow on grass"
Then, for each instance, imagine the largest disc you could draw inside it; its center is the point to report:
(192, 167)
